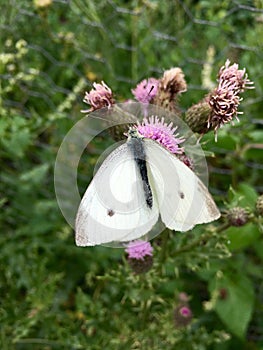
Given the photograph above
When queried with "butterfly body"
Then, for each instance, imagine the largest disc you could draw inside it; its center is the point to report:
(137, 148)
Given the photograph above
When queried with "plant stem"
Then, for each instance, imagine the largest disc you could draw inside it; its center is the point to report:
(134, 52)
(165, 237)
(190, 246)
(223, 227)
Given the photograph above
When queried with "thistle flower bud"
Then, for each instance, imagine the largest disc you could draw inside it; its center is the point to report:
(182, 316)
(170, 86)
(173, 81)
(141, 266)
(197, 116)
(237, 216)
(259, 205)
(140, 256)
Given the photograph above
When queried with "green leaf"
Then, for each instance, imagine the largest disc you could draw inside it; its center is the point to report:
(249, 193)
(18, 142)
(240, 237)
(235, 309)
(3, 126)
(226, 141)
(244, 196)
(259, 249)
(254, 154)
(209, 154)
(35, 175)
(256, 135)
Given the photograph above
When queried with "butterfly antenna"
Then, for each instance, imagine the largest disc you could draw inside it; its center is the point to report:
(151, 89)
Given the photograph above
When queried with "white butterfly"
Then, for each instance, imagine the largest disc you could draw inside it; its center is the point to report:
(137, 184)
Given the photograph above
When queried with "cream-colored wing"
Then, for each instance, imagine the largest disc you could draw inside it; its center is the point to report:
(113, 208)
(183, 199)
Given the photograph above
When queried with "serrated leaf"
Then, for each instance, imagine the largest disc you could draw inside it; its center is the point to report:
(235, 309)
(250, 195)
(244, 196)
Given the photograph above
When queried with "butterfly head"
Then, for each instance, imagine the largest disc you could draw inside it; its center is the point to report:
(134, 133)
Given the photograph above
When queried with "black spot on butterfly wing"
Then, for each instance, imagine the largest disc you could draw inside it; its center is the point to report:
(181, 194)
(110, 212)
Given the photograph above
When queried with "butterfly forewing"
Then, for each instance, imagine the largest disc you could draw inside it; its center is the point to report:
(113, 208)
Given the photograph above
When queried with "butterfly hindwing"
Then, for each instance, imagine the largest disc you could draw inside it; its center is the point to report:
(183, 199)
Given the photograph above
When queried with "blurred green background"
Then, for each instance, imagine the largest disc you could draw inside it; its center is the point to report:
(57, 296)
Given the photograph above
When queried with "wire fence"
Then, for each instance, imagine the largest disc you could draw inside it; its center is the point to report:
(52, 51)
(69, 44)
(122, 45)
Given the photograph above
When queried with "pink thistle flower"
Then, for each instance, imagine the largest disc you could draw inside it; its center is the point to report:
(98, 97)
(156, 129)
(224, 100)
(185, 311)
(146, 90)
(140, 256)
(139, 249)
(234, 76)
(182, 315)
